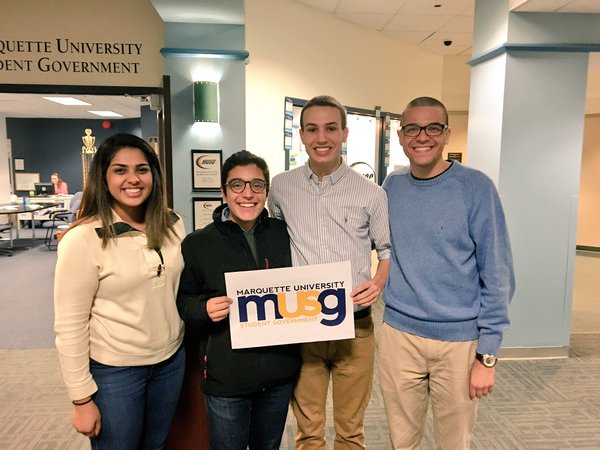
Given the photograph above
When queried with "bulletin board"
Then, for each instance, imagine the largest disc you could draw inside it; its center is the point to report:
(24, 181)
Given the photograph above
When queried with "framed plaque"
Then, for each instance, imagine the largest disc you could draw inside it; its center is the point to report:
(203, 210)
(455, 156)
(206, 170)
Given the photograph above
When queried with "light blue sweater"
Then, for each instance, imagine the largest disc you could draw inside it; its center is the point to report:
(451, 273)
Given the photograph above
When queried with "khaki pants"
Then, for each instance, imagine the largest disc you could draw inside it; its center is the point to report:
(349, 363)
(412, 370)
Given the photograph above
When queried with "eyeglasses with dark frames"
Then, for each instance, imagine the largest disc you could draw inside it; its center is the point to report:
(432, 129)
(238, 185)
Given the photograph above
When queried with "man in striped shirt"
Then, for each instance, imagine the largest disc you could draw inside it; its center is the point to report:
(334, 214)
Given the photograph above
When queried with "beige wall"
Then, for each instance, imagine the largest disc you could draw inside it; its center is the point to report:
(458, 122)
(85, 23)
(300, 52)
(588, 225)
(456, 83)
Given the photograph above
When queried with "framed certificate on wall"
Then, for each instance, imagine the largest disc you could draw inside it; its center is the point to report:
(25, 181)
(203, 210)
(206, 170)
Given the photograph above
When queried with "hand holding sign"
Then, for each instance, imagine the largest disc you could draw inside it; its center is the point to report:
(218, 308)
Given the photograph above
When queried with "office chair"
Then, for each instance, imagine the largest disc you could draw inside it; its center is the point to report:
(3, 228)
(61, 219)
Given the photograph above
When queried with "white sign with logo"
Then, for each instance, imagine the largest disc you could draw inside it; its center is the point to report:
(206, 170)
(290, 305)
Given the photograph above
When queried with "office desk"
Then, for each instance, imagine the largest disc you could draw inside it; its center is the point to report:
(53, 201)
(14, 209)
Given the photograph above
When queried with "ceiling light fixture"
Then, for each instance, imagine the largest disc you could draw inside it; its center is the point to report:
(106, 113)
(68, 101)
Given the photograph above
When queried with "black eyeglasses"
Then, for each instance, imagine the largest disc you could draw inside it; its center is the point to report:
(432, 129)
(238, 185)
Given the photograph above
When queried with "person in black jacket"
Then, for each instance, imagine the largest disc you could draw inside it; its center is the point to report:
(247, 391)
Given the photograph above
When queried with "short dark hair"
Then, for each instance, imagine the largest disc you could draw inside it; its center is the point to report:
(97, 201)
(324, 100)
(429, 102)
(243, 158)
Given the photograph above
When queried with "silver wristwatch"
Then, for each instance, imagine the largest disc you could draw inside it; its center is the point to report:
(487, 360)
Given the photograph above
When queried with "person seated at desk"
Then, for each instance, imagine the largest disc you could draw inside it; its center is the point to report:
(60, 186)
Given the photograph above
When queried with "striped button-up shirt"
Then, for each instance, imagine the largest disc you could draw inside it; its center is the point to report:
(340, 218)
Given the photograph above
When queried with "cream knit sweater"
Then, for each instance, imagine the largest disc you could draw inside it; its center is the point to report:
(114, 305)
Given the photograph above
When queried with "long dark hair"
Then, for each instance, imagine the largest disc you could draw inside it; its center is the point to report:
(60, 180)
(97, 201)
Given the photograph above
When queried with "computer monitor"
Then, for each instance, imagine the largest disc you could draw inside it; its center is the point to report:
(44, 189)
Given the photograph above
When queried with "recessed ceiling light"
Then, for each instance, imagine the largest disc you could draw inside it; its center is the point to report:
(106, 113)
(69, 101)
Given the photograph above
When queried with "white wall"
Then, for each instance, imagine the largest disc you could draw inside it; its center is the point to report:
(300, 52)
(229, 134)
(491, 25)
(487, 99)
(456, 79)
(539, 182)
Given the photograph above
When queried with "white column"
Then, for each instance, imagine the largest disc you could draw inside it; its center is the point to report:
(526, 120)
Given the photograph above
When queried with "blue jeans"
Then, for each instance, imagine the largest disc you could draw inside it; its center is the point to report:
(256, 421)
(137, 403)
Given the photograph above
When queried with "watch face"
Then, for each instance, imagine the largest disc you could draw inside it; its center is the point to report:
(489, 360)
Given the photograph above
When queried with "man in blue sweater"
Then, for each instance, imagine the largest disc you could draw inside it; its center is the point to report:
(450, 282)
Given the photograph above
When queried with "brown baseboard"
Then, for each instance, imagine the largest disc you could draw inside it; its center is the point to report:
(534, 352)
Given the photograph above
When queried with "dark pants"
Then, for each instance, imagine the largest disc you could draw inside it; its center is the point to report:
(256, 421)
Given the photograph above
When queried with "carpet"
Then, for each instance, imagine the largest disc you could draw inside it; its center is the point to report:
(22, 244)
(26, 300)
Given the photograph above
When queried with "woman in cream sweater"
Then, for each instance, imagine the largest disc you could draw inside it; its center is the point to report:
(118, 333)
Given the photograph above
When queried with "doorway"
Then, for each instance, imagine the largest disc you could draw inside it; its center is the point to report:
(157, 99)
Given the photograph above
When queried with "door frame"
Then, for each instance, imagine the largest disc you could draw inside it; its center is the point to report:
(162, 93)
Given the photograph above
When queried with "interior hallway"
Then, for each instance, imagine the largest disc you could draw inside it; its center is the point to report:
(586, 293)
(538, 404)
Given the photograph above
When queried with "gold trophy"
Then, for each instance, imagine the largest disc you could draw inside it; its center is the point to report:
(87, 152)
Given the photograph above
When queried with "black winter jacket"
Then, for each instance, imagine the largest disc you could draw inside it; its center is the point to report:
(208, 253)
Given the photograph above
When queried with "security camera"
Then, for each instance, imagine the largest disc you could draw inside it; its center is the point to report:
(448, 43)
